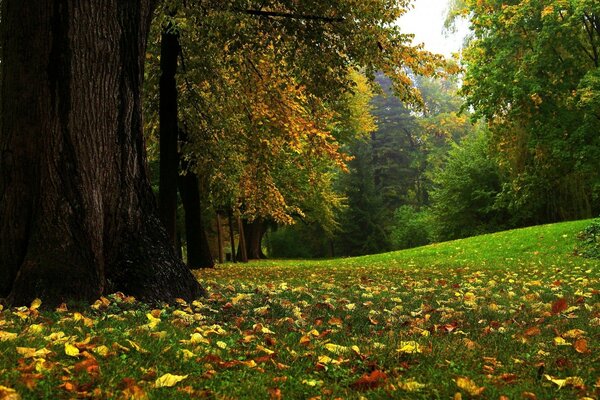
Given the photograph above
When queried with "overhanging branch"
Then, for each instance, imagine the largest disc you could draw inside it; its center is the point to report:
(276, 14)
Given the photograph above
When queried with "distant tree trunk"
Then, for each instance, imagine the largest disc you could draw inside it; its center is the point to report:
(77, 215)
(254, 232)
(198, 250)
(220, 238)
(169, 157)
(242, 254)
(231, 235)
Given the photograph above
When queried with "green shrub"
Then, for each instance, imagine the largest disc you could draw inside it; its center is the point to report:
(589, 240)
(465, 192)
(411, 228)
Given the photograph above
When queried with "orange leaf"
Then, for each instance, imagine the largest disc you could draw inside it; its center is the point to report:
(580, 346)
(533, 331)
(370, 381)
(559, 306)
(274, 394)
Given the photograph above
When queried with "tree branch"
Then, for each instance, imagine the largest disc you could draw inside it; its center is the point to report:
(276, 14)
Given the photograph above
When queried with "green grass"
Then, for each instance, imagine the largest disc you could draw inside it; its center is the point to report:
(485, 308)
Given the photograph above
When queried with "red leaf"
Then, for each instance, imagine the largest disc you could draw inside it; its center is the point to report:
(559, 306)
(370, 381)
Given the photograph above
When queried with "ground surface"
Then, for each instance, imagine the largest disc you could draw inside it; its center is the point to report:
(513, 314)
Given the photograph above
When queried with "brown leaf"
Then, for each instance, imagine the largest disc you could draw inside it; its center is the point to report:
(580, 346)
(533, 331)
(274, 393)
(529, 396)
(370, 381)
(559, 306)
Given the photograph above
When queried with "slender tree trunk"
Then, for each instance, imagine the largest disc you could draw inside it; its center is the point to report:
(220, 238)
(77, 215)
(231, 235)
(169, 156)
(198, 250)
(242, 253)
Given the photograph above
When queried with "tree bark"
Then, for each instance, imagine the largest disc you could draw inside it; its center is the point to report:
(242, 254)
(168, 132)
(220, 238)
(254, 232)
(198, 250)
(77, 215)
(231, 236)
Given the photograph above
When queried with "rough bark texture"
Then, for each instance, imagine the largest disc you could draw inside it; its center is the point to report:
(77, 214)
(169, 156)
(198, 250)
(254, 232)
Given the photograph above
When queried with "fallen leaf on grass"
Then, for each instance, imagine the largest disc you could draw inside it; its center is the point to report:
(574, 381)
(411, 385)
(71, 350)
(580, 346)
(469, 386)
(4, 336)
(169, 380)
(573, 334)
(370, 381)
(559, 306)
(7, 393)
(409, 347)
(28, 352)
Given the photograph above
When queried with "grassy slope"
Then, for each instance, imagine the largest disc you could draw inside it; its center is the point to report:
(479, 308)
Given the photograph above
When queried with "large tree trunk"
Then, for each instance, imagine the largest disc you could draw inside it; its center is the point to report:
(254, 232)
(77, 214)
(198, 250)
(169, 156)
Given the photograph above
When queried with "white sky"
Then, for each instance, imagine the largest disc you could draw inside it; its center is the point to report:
(426, 21)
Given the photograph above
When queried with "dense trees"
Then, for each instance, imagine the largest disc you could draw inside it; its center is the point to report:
(532, 73)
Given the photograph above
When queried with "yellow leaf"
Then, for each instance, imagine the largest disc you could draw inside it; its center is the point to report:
(137, 347)
(28, 352)
(573, 334)
(558, 341)
(312, 382)
(35, 328)
(410, 385)
(469, 386)
(4, 336)
(7, 393)
(102, 351)
(336, 349)
(409, 347)
(350, 306)
(324, 360)
(71, 350)
(35, 304)
(239, 297)
(574, 381)
(221, 345)
(169, 380)
(355, 349)
(187, 354)
(264, 349)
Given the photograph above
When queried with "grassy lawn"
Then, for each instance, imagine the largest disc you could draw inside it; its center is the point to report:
(512, 314)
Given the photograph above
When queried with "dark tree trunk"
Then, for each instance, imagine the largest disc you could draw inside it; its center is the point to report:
(242, 254)
(231, 235)
(77, 215)
(169, 156)
(198, 250)
(254, 232)
(220, 239)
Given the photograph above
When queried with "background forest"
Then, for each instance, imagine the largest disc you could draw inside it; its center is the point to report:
(306, 166)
